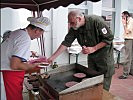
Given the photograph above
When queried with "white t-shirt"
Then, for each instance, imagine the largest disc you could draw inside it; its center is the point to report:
(18, 44)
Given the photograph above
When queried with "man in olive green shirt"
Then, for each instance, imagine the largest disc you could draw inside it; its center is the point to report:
(96, 40)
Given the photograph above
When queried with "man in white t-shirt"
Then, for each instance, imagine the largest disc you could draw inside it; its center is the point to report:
(15, 51)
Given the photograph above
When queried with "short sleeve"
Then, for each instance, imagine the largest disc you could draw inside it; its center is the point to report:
(105, 33)
(21, 47)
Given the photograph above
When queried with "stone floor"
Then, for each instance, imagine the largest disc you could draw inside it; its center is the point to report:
(122, 87)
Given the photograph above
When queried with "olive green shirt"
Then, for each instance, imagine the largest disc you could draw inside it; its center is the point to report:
(93, 32)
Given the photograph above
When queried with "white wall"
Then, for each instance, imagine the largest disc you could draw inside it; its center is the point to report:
(59, 30)
(11, 19)
(97, 8)
(121, 5)
(130, 6)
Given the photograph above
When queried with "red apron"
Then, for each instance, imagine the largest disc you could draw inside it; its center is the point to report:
(13, 81)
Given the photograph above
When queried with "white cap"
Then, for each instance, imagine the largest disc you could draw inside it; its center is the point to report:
(41, 22)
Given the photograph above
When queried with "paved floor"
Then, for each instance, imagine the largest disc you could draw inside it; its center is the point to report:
(122, 87)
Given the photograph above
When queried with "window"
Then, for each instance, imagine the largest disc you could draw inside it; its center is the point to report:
(109, 18)
(108, 13)
(108, 3)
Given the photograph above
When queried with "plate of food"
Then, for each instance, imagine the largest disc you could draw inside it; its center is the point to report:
(41, 62)
(38, 60)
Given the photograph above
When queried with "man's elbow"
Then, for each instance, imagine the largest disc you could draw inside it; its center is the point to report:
(15, 63)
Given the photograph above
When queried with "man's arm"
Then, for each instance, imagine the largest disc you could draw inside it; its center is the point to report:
(57, 53)
(17, 64)
(89, 50)
(100, 45)
(125, 26)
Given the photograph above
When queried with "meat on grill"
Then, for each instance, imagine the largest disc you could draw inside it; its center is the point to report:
(80, 75)
(70, 84)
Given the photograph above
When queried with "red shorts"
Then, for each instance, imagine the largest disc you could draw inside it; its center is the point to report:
(13, 81)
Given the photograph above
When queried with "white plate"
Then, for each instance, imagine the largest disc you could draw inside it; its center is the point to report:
(43, 65)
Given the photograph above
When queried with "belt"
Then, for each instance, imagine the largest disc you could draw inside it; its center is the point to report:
(128, 39)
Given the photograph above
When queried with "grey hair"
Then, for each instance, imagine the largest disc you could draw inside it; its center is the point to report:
(75, 13)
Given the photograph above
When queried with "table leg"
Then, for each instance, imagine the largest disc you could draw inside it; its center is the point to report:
(77, 57)
(69, 57)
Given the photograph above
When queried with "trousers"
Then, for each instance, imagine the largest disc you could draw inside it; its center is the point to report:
(13, 82)
(128, 63)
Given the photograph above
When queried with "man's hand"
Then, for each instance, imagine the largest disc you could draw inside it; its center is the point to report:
(60, 49)
(50, 60)
(88, 50)
(34, 69)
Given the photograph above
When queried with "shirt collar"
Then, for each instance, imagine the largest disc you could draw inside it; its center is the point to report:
(129, 19)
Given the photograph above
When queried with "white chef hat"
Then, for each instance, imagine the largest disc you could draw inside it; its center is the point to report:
(41, 22)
